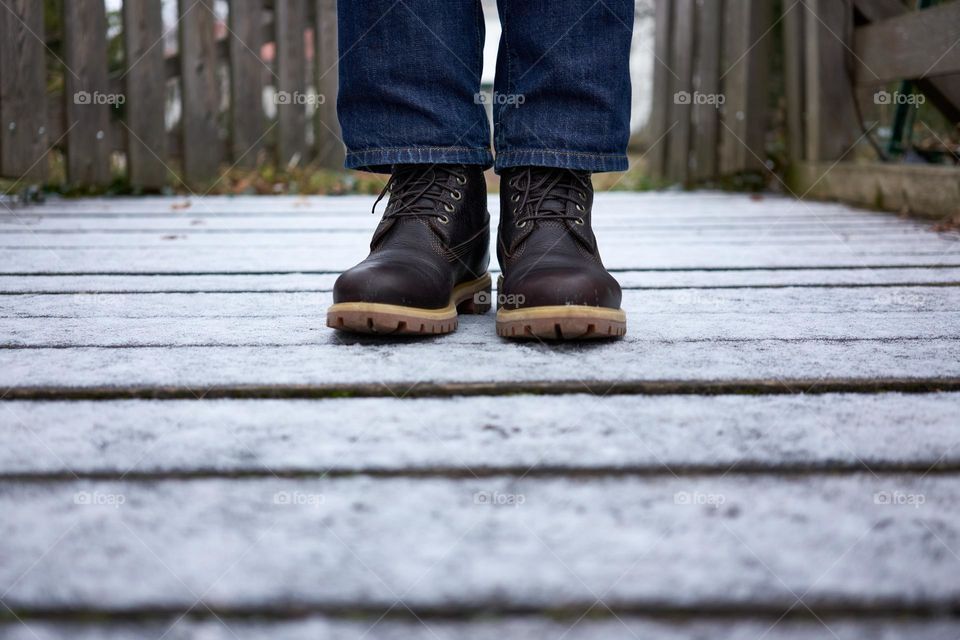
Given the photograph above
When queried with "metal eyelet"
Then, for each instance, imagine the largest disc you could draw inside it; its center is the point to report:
(521, 225)
(461, 180)
(444, 220)
(582, 195)
(580, 207)
(579, 221)
(448, 207)
(515, 197)
(456, 195)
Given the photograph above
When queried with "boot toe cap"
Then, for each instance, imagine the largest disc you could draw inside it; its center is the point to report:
(556, 287)
(408, 285)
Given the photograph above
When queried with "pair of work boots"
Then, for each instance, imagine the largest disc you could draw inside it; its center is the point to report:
(429, 256)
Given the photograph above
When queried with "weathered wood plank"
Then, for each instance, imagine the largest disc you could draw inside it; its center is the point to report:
(681, 90)
(706, 112)
(345, 360)
(247, 122)
(291, 19)
(200, 88)
(23, 101)
(659, 125)
(681, 544)
(290, 283)
(746, 45)
(794, 77)
(832, 125)
(145, 87)
(87, 93)
(917, 44)
(591, 627)
(330, 150)
(635, 434)
(927, 191)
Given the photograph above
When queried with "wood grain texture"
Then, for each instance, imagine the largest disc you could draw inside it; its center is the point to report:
(706, 114)
(86, 93)
(200, 87)
(247, 69)
(23, 95)
(291, 20)
(682, 88)
(146, 92)
(330, 149)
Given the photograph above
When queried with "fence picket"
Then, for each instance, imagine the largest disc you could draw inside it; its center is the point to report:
(23, 98)
(200, 87)
(145, 90)
(329, 139)
(246, 81)
(87, 96)
(290, 20)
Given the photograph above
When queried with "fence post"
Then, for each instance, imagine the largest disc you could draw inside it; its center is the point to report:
(85, 93)
(290, 19)
(23, 92)
(145, 88)
(329, 139)
(831, 117)
(246, 81)
(658, 127)
(200, 88)
(680, 95)
(706, 115)
(793, 72)
(746, 64)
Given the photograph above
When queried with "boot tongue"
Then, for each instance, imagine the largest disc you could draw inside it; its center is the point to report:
(414, 180)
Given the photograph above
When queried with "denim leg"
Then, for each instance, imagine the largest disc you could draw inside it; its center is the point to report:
(563, 84)
(409, 74)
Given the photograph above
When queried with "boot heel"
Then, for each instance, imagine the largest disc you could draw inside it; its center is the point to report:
(477, 304)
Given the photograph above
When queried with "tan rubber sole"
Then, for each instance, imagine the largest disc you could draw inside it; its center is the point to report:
(567, 322)
(397, 320)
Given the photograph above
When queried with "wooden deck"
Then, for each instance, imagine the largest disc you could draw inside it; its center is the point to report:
(188, 452)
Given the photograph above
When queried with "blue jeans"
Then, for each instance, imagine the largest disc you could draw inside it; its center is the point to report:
(410, 83)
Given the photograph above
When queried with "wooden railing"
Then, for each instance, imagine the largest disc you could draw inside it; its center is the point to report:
(709, 114)
(218, 72)
(715, 98)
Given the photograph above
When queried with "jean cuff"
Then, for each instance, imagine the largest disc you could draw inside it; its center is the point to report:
(593, 162)
(382, 160)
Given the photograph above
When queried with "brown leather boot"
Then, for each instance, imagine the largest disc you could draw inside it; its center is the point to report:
(428, 257)
(554, 285)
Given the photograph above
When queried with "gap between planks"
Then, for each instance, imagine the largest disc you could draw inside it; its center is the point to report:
(441, 390)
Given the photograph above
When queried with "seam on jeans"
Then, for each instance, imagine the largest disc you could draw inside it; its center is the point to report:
(382, 149)
(562, 153)
(501, 134)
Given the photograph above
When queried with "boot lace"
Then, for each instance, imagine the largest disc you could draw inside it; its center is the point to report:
(544, 193)
(416, 191)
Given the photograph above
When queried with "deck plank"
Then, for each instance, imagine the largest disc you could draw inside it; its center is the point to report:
(577, 433)
(681, 544)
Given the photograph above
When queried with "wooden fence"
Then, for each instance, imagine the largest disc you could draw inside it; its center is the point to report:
(714, 93)
(218, 72)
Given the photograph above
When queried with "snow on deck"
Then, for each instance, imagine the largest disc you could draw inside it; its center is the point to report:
(773, 451)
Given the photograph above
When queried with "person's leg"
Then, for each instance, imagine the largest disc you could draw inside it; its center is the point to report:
(563, 112)
(409, 74)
